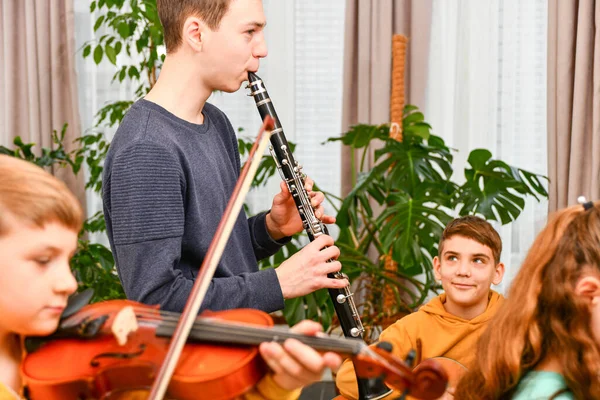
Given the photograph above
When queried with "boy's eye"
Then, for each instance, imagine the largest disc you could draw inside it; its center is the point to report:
(452, 258)
(478, 261)
(251, 31)
(42, 260)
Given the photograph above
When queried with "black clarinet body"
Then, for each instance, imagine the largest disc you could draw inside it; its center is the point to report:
(291, 173)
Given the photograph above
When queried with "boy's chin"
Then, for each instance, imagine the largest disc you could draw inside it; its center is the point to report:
(42, 328)
(467, 297)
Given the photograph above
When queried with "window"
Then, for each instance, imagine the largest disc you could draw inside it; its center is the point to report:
(487, 89)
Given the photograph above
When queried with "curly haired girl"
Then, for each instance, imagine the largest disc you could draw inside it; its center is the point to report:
(545, 341)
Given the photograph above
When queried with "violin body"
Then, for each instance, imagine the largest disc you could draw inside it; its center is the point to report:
(99, 367)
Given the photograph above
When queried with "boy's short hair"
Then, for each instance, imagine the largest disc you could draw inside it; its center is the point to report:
(173, 13)
(475, 228)
(33, 196)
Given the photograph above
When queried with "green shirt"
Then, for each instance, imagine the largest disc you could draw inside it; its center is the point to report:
(542, 385)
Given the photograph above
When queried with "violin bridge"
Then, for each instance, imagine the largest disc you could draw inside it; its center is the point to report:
(124, 323)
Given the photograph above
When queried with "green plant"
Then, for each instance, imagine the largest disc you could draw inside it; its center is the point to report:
(411, 183)
(131, 27)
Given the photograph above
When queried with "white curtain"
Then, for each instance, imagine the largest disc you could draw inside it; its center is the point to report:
(487, 89)
(95, 90)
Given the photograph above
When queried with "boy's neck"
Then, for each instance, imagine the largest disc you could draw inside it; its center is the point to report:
(467, 313)
(10, 359)
(180, 89)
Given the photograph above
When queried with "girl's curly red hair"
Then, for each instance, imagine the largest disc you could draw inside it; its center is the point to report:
(543, 316)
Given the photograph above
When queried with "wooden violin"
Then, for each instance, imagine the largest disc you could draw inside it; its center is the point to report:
(107, 350)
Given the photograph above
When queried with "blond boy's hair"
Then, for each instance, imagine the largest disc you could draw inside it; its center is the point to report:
(35, 197)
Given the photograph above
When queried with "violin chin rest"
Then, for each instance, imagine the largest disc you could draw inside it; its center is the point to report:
(77, 301)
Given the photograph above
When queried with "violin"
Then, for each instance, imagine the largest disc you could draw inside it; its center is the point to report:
(111, 349)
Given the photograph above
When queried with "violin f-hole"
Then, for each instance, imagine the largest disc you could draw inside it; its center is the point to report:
(123, 356)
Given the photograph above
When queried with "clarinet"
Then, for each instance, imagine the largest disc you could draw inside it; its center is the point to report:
(291, 173)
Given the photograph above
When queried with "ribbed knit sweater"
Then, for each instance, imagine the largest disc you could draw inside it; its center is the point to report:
(166, 184)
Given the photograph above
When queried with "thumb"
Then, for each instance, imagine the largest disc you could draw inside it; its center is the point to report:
(307, 327)
(285, 192)
(283, 196)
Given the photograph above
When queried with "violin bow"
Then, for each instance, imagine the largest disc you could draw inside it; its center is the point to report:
(209, 265)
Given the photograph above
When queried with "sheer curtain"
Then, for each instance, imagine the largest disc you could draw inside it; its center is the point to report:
(303, 73)
(487, 89)
(95, 90)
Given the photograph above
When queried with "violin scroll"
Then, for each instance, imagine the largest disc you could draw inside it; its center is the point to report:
(430, 380)
(428, 383)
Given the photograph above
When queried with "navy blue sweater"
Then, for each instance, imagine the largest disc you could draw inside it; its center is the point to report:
(166, 184)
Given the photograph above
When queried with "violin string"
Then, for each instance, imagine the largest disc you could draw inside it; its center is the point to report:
(235, 332)
(209, 328)
(255, 336)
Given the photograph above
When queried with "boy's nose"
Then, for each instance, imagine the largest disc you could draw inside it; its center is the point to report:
(464, 269)
(260, 50)
(65, 282)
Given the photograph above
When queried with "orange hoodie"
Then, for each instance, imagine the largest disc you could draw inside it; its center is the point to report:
(442, 335)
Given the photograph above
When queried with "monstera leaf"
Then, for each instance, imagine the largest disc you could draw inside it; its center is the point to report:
(361, 135)
(410, 228)
(497, 190)
(416, 160)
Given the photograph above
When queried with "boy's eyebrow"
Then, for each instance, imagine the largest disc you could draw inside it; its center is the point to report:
(44, 248)
(480, 255)
(52, 248)
(256, 24)
(451, 252)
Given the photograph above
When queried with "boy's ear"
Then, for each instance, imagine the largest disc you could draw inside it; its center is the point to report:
(193, 28)
(437, 265)
(588, 286)
(498, 273)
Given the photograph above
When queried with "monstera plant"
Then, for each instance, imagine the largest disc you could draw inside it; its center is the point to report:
(397, 211)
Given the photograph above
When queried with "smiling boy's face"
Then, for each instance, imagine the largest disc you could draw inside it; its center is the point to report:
(36, 276)
(466, 269)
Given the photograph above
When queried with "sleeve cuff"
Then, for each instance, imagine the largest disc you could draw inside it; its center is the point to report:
(258, 227)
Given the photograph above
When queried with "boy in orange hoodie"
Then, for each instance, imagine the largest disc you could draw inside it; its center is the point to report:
(468, 263)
